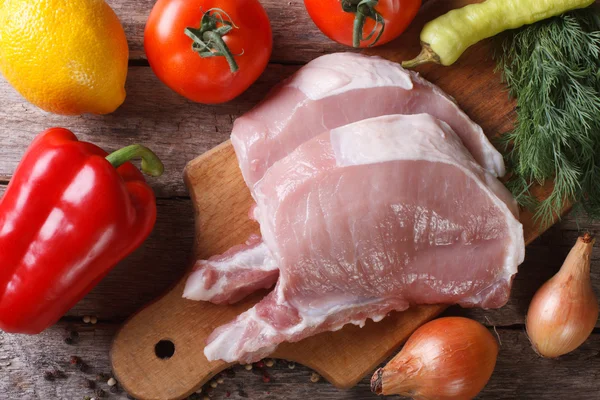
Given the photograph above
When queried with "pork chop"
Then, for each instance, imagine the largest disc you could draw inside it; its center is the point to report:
(373, 217)
(338, 89)
(329, 92)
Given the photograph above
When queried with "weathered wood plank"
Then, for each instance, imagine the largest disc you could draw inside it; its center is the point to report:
(25, 359)
(520, 373)
(149, 271)
(296, 39)
(177, 129)
(159, 262)
(163, 261)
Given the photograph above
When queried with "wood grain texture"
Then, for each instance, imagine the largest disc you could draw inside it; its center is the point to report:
(155, 266)
(296, 39)
(222, 202)
(177, 129)
(25, 359)
(520, 373)
(182, 130)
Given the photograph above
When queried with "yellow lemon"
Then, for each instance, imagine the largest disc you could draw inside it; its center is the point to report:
(65, 56)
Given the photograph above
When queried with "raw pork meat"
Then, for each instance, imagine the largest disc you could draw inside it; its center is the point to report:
(329, 92)
(228, 278)
(373, 217)
(337, 89)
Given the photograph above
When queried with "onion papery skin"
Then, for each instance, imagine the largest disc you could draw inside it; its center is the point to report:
(564, 311)
(449, 358)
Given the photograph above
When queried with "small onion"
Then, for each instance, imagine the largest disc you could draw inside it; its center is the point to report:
(564, 310)
(447, 359)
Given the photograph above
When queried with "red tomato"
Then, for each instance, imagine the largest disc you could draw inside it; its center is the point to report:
(338, 25)
(208, 80)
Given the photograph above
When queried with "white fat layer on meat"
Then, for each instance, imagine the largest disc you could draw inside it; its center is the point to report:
(407, 137)
(195, 287)
(334, 74)
(256, 258)
(221, 349)
(337, 73)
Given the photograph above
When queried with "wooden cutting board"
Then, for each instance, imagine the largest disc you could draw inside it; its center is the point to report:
(174, 326)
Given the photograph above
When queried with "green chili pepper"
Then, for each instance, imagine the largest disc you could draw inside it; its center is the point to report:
(447, 37)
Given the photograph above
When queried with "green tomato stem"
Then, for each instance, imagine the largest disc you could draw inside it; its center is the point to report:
(364, 9)
(208, 41)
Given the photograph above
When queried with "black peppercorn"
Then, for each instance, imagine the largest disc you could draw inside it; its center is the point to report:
(90, 384)
(58, 373)
(102, 377)
(82, 366)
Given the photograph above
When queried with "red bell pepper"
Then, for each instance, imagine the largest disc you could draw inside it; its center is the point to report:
(69, 214)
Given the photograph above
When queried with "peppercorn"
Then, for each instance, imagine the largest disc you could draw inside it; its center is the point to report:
(314, 378)
(114, 389)
(111, 381)
(69, 340)
(266, 378)
(58, 373)
(270, 362)
(102, 376)
(82, 366)
(100, 393)
(214, 384)
(88, 383)
(48, 375)
(291, 365)
(220, 380)
(260, 364)
(248, 367)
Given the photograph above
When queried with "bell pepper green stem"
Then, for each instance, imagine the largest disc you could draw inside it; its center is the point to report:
(151, 164)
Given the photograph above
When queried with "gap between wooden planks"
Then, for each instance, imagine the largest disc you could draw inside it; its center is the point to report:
(222, 202)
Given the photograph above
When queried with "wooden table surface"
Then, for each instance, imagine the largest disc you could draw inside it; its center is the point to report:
(179, 131)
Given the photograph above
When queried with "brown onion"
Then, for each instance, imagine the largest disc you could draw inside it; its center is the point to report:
(447, 359)
(564, 310)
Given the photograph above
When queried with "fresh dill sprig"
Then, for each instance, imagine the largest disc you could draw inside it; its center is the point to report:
(552, 68)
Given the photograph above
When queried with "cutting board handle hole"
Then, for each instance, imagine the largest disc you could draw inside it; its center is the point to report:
(164, 349)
